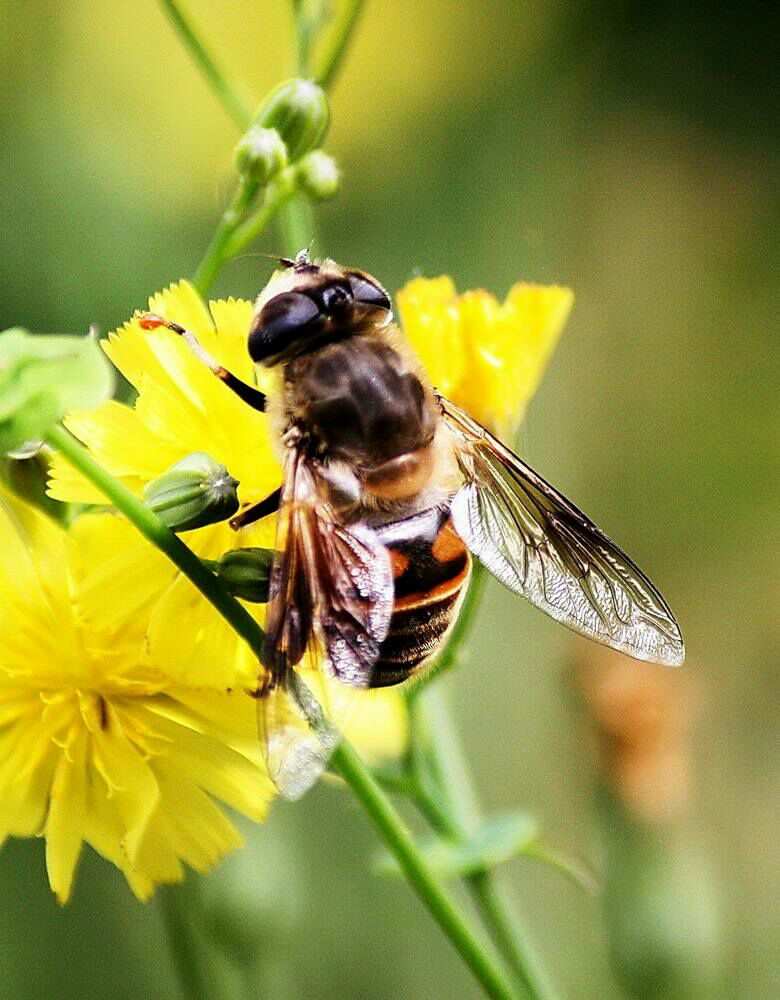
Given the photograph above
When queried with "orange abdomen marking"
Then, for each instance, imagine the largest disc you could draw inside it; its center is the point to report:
(431, 566)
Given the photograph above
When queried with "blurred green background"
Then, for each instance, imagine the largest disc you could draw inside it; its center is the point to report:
(625, 149)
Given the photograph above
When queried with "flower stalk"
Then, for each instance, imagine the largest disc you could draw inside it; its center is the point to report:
(186, 949)
(425, 884)
(234, 231)
(453, 812)
(238, 109)
(340, 37)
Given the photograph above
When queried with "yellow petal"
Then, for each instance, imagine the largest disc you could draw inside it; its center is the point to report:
(122, 442)
(182, 303)
(479, 393)
(430, 318)
(218, 769)
(197, 830)
(156, 861)
(65, 823)
(27, 761)
(130, 782)
(103, 831)
(232, 318)
(118, 576)
(191, 643)
(230, 717)
(534, 317)
(379, 726)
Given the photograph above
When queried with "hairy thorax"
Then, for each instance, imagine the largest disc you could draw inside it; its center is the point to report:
(372, 421)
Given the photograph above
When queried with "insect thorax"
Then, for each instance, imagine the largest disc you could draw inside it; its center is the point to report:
(360, 402)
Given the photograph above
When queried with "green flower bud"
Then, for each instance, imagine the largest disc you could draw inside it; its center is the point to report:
(246, 573)
(318, 175)
(261, 154)
(194, 492)
(298, 110)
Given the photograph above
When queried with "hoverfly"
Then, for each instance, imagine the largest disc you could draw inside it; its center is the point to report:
(389, 490)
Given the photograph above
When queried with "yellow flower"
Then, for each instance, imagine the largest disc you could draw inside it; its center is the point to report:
(182, 408)
(488, 357)
(97, 743)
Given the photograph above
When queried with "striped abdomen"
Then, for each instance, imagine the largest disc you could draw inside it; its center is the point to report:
(431, 566)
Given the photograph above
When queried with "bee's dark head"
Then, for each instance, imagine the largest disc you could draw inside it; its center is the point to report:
(306, 305)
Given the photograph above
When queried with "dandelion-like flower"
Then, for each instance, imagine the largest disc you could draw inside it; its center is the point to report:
(182, 408)
(97, 743)
(488, 357)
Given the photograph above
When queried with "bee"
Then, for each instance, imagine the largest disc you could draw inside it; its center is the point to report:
(389, 491)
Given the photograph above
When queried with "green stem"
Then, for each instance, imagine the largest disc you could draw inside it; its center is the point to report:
(234, 104)
(279, 191)
(458, 820)
(187, 950)
(216, 252)
(507, 934)
(345, 760)
(159, 535)
(341, 33)
(427, 886)
(303, 36)
(296, 224)
(492, 908)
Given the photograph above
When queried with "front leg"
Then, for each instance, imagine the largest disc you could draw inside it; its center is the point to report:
(270, 505)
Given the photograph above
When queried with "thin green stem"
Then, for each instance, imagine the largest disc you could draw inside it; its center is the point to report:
(186, 952)
(341, 34)
(278, 192)
(453, 782)
(507, 934)
(216, 252)
(231, 100)
(296, 224)
(152, 528)
(399, 840)
(303, 36)
(492, 907)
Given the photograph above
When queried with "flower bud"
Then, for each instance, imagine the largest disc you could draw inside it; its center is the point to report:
(318, 175)
(194, 492)
(260, 154)
(246, 573)
(298, 110)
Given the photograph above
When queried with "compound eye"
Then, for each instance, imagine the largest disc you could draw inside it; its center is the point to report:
(336, 298)
(367, 292)
(284, 322)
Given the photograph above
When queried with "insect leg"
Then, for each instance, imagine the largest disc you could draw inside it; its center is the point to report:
(253, 397)
(268, 506)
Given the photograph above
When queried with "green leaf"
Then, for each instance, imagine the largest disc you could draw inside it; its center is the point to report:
(42, 377)
(497, 840)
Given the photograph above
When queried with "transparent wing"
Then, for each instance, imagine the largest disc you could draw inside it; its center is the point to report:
(296, 732)
(329, 610)
(540, 545)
